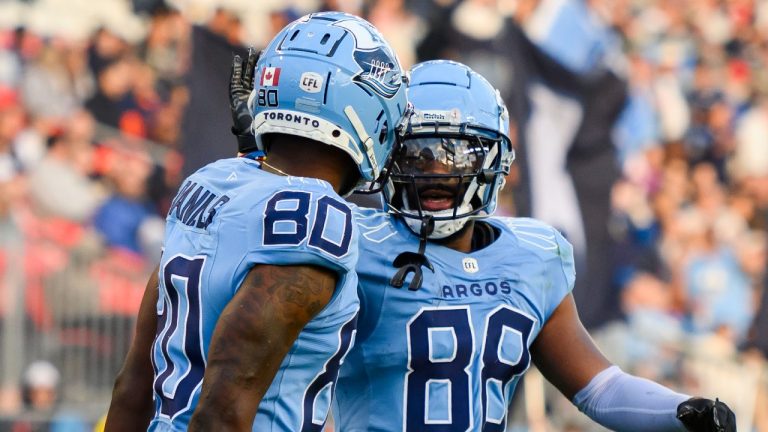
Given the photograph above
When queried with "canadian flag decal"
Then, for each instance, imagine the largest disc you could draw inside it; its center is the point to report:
(270, 76)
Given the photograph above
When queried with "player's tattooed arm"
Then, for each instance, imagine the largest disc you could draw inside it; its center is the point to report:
(254, 333)
(131, 407)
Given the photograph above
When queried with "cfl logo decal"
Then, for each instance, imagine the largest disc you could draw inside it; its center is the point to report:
(311, 82)
(470, 265)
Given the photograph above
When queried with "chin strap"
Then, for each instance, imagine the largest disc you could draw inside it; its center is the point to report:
(411, 262)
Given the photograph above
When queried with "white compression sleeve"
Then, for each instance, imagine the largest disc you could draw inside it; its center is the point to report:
(626, 403)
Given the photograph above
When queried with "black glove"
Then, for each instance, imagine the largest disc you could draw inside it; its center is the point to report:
(706, 415)
(240, 87)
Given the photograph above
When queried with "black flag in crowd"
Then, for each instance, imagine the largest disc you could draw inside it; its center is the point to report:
(565, 155)
(205, 133)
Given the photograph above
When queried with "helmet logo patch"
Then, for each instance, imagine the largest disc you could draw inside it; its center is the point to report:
(311, 82)
(270, 76)
(470, 265)
(380, 70)
(379, 73)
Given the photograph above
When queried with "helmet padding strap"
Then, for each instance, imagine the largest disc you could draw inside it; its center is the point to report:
(364, 138)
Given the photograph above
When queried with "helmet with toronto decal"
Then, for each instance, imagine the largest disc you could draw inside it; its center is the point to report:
(331, 77)
(453, 149)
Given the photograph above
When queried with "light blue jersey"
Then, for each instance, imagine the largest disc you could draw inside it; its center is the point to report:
(447, 357)
(227, 217)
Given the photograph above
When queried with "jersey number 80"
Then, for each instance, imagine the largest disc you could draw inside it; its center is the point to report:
(286, 222)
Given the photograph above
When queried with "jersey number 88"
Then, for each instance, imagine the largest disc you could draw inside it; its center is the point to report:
(432, 372)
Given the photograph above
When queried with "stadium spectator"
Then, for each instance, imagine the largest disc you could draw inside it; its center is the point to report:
(58, 82)
(112, 103)
(41, 386)
(120, 217)
(60, 184)
(12, 122)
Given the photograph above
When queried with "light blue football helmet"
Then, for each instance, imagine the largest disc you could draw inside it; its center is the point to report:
(453, 150)
(331, 77)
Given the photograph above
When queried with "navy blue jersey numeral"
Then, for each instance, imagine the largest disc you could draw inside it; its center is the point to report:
(439, 366)
(498, 370)
(313, 421)
(286, 220)
(180, 319)
(286, 225)
(441, 347)
(325, 205)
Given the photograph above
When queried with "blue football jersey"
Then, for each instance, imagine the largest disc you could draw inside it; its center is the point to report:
(226, 218)
(447, 357)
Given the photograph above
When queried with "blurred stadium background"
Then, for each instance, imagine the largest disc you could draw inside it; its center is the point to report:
(642, 133)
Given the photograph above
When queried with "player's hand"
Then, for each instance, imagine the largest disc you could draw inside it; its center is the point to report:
(240, 87)
(706, 415)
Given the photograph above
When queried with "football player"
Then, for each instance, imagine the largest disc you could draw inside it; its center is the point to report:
(445, 333)
(254, 304)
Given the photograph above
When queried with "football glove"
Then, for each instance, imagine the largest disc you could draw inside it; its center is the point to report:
(706, 415)
(240, 87)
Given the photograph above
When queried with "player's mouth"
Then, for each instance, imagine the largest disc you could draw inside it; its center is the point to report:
(436, 198)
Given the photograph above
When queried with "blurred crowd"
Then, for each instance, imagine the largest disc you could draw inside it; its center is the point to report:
(92, 101)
